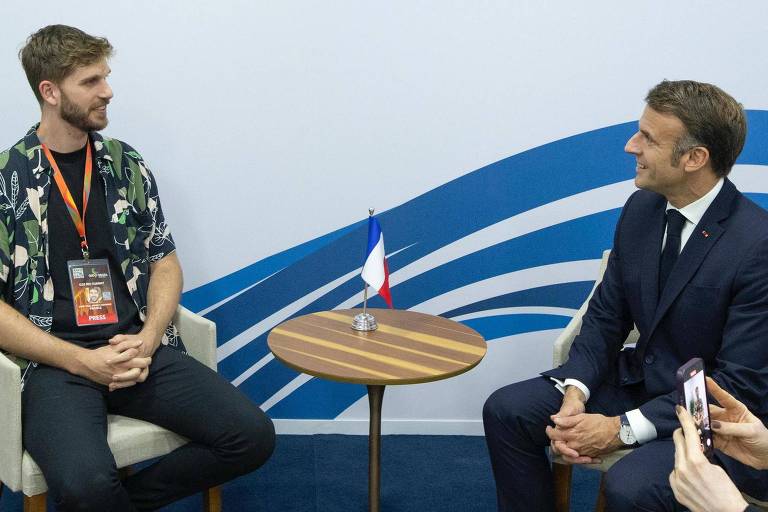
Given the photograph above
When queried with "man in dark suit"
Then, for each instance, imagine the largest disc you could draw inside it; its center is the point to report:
(689, 268)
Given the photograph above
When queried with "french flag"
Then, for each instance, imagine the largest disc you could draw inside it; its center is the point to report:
(375, 271)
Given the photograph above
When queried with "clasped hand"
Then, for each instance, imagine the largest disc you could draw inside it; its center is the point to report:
(580, 438)
(123, 363)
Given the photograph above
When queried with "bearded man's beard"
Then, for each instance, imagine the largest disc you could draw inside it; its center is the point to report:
(78, 117)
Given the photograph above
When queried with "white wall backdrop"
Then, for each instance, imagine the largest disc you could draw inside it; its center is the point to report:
(270, 124)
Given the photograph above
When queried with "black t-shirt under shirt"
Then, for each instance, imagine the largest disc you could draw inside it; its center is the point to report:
(65, 246)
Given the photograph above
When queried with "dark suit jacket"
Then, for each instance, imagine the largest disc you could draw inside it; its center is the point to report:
(714, 306)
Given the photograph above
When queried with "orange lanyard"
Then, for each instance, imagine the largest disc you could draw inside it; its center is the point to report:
(78, 220)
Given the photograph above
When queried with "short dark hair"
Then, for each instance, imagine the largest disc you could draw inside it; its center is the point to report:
(712, 118)
(54, 52)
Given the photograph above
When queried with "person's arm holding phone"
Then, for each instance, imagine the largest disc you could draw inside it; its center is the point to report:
(697, 483)
(702, 486)
(737, 432)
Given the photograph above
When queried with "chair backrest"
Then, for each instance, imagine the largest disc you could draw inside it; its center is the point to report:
(563, 342)
(10, 424)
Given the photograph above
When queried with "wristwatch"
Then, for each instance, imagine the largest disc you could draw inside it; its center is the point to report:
(625, 432)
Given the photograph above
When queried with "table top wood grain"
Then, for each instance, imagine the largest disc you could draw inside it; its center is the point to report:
(407, 348)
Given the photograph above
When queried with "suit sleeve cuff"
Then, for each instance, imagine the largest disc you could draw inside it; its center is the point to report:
(642, 428)
(562, 384)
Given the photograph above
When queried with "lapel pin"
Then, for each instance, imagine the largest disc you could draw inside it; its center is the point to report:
(704, 232)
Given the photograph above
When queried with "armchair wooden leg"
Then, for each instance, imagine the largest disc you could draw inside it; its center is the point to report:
(212, 499)
(35, 503)
(600, 505)
(561, 475)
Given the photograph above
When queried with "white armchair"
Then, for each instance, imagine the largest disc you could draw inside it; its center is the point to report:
(131, 441)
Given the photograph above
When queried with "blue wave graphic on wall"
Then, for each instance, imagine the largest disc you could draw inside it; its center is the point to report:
(468, 234)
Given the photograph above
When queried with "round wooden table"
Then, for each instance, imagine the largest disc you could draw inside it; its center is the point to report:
(407, 348)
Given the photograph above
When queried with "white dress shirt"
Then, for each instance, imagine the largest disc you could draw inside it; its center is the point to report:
(642, 428)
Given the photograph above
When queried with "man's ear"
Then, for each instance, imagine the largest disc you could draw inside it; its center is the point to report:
(697, 158)
(49, 92)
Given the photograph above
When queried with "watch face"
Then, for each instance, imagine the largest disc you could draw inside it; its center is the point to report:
(625, 434)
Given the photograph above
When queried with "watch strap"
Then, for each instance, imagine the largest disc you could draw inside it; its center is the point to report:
(624, 421)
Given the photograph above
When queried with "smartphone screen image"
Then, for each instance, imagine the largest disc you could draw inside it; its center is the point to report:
(692, 394)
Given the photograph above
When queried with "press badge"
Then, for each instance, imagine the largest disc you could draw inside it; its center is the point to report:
(92, 296)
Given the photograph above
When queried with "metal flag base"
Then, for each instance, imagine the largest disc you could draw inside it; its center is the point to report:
(364, 322)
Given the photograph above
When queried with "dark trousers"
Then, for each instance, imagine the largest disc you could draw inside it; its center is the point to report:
(515, 417)
(65, 430)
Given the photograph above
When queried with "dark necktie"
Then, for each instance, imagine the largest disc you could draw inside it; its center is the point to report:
(675, 223)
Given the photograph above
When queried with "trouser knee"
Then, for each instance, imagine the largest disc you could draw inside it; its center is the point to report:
(625, 490)
(521, 409)
(500, 410)
(87, 491)
(252, 441)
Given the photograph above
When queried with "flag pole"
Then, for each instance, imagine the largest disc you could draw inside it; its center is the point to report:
(365, 288)
(365, 321)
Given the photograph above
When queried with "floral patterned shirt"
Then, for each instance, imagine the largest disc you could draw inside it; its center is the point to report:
(139, 230)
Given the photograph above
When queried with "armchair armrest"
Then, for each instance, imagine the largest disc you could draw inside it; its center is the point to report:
(198, 335)
(10, 428)
(563, 342)
(565, 339)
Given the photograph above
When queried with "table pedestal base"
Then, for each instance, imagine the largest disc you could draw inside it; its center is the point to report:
(375, 397)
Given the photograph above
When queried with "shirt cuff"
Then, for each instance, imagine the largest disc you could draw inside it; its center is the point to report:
(561, 385)
(642, 428)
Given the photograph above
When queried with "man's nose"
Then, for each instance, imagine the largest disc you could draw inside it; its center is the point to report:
(631, 146)
(106, 92)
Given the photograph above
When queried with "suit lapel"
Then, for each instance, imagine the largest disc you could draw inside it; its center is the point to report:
(649, 272)
(703, 238)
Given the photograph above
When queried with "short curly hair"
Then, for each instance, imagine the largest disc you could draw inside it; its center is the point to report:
(54, 52)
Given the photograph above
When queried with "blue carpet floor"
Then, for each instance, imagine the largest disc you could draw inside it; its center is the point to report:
(329, 473)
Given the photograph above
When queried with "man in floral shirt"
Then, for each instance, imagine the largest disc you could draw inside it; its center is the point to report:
(90, 277)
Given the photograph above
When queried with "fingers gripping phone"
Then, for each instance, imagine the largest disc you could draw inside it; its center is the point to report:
(692, 394)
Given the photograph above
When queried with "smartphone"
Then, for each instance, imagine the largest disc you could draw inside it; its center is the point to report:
(692, 394)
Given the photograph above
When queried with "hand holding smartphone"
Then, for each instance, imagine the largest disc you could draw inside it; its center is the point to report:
(692, 395)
